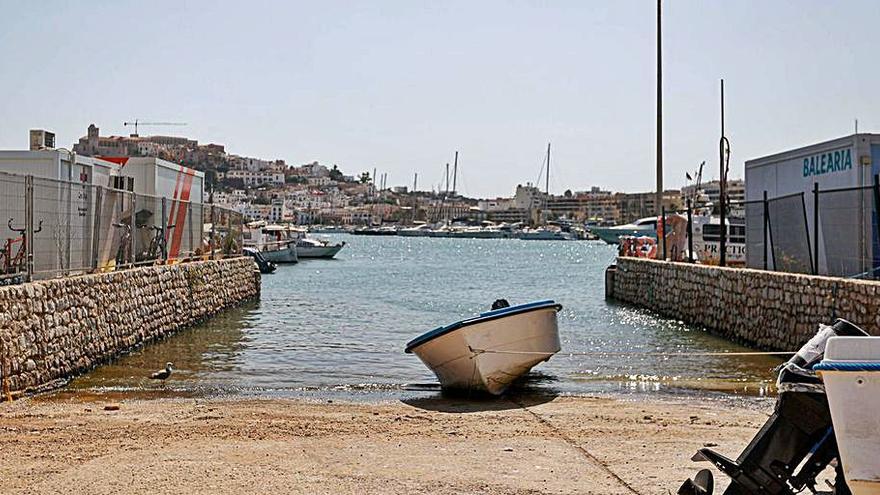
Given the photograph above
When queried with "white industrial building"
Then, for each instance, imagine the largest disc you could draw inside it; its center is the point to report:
(847, 226)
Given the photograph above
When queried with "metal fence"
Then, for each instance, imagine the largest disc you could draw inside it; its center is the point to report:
(832, 232)
(53, 228)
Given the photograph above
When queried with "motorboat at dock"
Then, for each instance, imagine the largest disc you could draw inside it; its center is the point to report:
(642, 227)
(488, 352)
(310, 247)
(544, 234)
(271, 242)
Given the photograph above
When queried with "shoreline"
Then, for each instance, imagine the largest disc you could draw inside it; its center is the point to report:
(438, 445)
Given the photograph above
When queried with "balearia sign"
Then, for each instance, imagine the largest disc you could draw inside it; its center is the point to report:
(826, 163)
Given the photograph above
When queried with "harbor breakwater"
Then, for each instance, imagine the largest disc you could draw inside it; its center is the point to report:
(54, 329)
(766, 310)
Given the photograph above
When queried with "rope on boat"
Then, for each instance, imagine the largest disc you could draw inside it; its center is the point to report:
(586, 453)
(646, 354)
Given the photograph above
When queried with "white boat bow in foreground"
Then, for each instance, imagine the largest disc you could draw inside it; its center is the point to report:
(488, 352)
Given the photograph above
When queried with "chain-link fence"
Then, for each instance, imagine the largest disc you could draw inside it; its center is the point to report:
(53, 228)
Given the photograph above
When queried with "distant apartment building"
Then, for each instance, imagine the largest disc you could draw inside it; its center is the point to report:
(320, 181)
(254, 164)
(313, 169)
(233, 197)
(258, 178)
(497, 204)
(277, 211)
(710, 192)
(519, 208)
(632, 206)
(593, 205)
(253, 211)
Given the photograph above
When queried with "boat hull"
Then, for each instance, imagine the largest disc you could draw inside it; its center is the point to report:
(284, 255)
(488, 356)
(611, 235)
(413, 233)
(318, 251)
(851, 373)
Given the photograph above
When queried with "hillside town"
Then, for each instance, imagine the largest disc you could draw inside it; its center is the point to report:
(314, 193)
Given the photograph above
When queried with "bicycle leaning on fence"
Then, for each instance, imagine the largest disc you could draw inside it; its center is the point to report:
(158, 248)
(14, 265)
(123, 252)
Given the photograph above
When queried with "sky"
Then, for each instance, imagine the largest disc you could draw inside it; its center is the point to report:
(401, 85)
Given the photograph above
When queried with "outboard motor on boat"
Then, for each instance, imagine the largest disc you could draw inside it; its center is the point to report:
(500, 303)
(796, 443)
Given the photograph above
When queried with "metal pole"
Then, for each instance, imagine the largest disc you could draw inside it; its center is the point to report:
(690, 232)
(189, 221)
(663, 220)
(876, 209)
(722, 200)
(164, 228)
(815, 228)
(211, 206)
(231, 223)
(807, 231)
(770, 234)
(96, 231)
(239, 241)
(134, 229)
(659, 198)
(766, 227)
(29, 225)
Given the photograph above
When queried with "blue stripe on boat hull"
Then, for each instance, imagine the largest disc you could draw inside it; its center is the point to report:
(489, 315)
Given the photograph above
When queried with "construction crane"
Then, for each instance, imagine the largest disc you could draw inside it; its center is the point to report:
(137, 122)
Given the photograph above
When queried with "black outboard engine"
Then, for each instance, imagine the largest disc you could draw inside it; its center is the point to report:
(499, 304)
(797, 435)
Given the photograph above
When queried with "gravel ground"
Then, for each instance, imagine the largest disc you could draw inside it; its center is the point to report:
(564, 445)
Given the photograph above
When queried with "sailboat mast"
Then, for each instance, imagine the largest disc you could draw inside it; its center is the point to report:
(446, 190)
(455, 174)
(547, 183)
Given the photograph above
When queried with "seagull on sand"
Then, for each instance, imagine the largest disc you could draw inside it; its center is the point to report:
(162, 374)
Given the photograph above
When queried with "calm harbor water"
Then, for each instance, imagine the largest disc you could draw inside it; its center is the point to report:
(338, 327)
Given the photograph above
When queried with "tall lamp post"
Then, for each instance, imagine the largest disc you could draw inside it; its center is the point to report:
(659, 198)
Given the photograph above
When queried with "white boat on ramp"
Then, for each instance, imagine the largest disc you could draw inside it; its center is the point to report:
(488, 352)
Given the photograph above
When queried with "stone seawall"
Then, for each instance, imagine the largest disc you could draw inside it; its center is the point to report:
(54, 329)
(761, 309)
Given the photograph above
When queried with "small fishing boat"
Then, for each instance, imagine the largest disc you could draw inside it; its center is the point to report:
(488, 352)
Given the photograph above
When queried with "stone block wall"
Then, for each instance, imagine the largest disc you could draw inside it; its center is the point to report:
(54, 329)
(761, 309)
